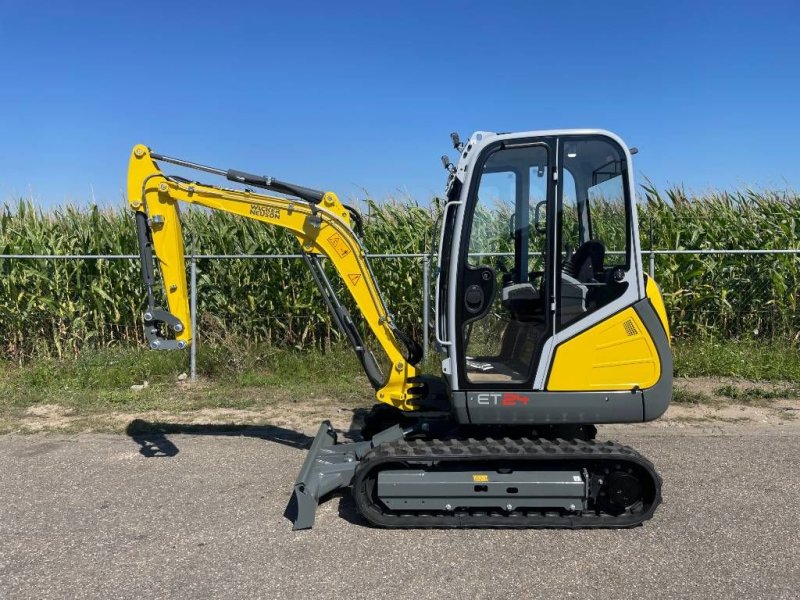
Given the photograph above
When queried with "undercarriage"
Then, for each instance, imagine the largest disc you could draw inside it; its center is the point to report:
(429, 476)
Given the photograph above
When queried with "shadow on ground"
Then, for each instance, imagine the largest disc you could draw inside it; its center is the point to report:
(153, 441)
(152, 438)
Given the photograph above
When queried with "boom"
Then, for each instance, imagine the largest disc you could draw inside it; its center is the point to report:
(322, 225)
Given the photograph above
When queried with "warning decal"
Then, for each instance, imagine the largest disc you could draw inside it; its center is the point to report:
(338, 245)
(354, 277)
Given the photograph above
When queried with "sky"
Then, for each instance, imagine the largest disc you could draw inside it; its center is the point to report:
(360, 97)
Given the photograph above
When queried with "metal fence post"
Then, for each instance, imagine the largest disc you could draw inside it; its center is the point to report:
(193, 308)
(652, 264)
(426, 284)
(652, 254)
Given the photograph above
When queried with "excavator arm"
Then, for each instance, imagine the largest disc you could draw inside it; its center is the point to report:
(322, 225)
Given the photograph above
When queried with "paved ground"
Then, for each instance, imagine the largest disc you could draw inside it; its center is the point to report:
(99, 516)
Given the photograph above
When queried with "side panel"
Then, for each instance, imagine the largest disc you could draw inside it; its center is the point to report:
(615, 354)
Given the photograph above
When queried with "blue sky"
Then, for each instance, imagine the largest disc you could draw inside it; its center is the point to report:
(352, 95)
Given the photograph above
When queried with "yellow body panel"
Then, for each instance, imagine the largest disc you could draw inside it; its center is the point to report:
(615, 354)
(323, 229)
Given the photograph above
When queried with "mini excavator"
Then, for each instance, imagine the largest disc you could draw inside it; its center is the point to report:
(546, 321)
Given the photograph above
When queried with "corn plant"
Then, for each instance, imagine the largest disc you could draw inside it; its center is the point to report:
(59, 307)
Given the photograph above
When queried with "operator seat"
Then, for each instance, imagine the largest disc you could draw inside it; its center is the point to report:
(586, 261)
(577, 274)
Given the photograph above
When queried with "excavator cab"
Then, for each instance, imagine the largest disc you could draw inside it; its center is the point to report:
(543, 310)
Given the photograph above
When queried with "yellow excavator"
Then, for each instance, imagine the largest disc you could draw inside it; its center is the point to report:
(546, 321)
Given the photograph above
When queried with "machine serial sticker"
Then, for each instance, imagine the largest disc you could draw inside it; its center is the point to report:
(265, 211)
(338, 244)
(480, 478)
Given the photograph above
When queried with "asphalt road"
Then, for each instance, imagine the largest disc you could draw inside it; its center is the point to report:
(96, 516)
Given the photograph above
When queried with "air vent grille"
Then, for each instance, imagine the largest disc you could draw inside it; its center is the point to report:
(630, 328)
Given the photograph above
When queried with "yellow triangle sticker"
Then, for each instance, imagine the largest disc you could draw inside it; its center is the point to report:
(354, 278)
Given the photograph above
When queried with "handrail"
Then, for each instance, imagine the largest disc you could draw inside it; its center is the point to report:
(438, 310)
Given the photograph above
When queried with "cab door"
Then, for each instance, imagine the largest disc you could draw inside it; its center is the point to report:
(503, 306)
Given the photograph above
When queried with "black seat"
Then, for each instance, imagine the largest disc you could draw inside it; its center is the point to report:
(586, 261)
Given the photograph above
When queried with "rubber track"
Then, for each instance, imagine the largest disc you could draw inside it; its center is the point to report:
(420, 453)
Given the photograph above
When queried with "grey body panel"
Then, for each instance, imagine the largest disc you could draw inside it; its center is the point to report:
(459, 402)
(450, 490)
(504, 407)
(554, 408)
(657, 397)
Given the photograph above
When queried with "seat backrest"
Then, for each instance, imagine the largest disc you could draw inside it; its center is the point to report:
(587, 260)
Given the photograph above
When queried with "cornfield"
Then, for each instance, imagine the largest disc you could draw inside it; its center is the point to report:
(59, 307)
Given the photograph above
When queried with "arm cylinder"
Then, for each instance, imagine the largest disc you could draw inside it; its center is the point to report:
(269, 183)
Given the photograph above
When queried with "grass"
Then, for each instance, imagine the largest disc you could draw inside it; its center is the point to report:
(746, 359)
(257, 378)
(99, 382)
(776, 365)
(729, 394)
(757, 396)
(682, 395)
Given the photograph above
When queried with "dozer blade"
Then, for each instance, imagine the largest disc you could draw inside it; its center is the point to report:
(328, 467)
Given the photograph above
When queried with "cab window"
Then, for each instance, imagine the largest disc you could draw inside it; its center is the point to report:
(594, 232)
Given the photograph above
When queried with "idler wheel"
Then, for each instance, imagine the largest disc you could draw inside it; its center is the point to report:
(620, 491)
